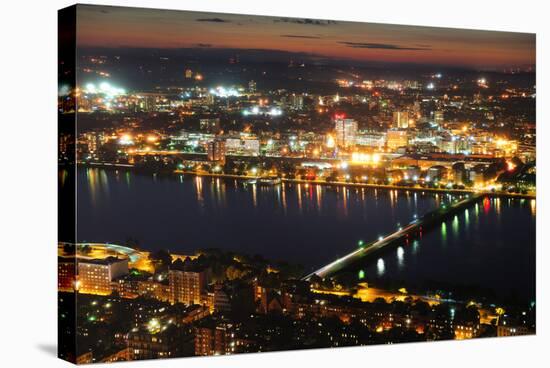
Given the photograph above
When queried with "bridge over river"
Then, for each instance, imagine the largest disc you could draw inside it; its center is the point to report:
(414, 228)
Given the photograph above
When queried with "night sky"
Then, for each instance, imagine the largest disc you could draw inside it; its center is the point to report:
(114, 27)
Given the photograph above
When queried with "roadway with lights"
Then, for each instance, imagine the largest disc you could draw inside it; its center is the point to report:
(413, 228)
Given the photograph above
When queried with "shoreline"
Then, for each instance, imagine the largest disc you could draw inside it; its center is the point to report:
(318, 182)
(365, 185)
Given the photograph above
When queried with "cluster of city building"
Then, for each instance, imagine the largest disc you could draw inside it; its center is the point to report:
(214, 303)
(436, 131)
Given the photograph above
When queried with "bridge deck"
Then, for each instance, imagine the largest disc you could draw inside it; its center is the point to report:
(416, 226)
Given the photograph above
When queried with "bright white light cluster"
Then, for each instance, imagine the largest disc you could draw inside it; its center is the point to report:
(224, 92)
(359, 157)
(274, 111)
(104, 88)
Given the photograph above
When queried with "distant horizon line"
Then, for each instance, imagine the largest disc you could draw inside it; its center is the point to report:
(313, 58)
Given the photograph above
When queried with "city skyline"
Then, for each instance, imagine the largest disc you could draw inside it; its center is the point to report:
(248, 184)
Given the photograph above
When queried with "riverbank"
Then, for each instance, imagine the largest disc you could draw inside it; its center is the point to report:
(365, 185)
(107, 165)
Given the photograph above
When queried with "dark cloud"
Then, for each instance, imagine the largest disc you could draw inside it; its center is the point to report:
(205, 45)
(381, 46)
(300, 36)
(213, 20)
(306, 21)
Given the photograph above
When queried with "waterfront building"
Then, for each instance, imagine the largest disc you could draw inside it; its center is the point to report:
(459, 173)
(425, 161)
(411, 173)
(95, 276)
(91, 142)
(242, 146)
(216, 151)
(436, 173)
(346, 131)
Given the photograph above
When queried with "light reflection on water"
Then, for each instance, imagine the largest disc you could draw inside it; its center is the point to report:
(380, 267)
(490, 245)
(415, 246)
(400, 257)
(306, 223)
(98, 183)
(455, 226)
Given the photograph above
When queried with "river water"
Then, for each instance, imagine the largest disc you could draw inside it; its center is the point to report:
(490, 246)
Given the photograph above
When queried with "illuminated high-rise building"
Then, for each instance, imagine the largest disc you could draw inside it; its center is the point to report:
(216, 150)
(252, 86)
(346, 131)
(91, 140)
(297, 101)
(214, 338)
(401, 119)
(439, 118)
(186, 286)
